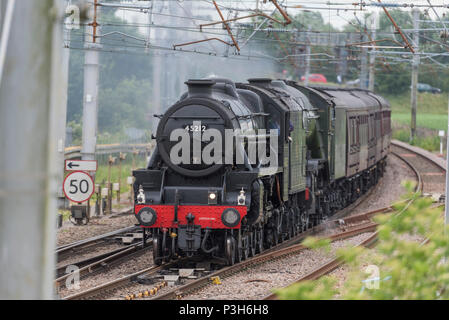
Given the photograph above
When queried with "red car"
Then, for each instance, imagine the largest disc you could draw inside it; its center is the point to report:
(315, 77)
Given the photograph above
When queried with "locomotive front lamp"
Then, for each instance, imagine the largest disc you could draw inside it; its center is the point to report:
(141, 196)
(241, 199)
(213, 197)
(147, 217)
(230, 218)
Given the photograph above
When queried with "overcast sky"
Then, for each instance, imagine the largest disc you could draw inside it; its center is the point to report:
(337, 18)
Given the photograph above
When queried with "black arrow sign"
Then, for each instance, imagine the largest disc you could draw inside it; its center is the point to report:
(71, 165)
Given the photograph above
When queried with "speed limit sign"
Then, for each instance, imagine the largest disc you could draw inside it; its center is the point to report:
(79, 187)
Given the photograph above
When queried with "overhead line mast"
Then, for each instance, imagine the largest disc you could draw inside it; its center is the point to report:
(90, 99)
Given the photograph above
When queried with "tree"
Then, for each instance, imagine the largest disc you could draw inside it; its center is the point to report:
(126, 105)
(124, 85)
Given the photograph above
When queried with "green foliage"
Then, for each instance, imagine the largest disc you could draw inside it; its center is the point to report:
(77, 132)
(423, 120)
(428, 103)
(313, 20)
(317, 243)
(102, 174)
(395, 81)
(402, 18)
(431, 117)
(124, 85)
(408, 268)
(126, 105)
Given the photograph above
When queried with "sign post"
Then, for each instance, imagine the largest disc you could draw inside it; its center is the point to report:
(81, 165)
(441, 134)
(79, 187)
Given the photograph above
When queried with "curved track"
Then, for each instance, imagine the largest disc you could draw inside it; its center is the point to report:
(432, 174)
(425, 171)
(349, 227)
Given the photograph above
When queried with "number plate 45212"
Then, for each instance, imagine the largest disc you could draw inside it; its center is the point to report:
(195, 128)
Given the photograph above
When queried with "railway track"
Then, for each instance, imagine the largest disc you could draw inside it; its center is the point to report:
(100, 266)
(349, 227)
(352, 226)
(64, 251)
(99, 262)
(95, 264)
(101, 290)
(432, 173)
(189, 288)
(288, 248)
(366, 226)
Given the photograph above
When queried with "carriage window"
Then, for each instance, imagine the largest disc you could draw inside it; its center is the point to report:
(351, 124)
(358, 131)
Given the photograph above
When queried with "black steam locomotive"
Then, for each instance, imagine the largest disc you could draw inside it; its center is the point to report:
(295, 155)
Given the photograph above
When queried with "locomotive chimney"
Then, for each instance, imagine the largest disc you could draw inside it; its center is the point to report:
(262, 82)
(200, 87)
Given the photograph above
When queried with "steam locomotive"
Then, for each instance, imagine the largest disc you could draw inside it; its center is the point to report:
(326, 147)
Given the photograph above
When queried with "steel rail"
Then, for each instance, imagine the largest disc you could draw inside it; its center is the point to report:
(85, 262)
(123, 282)
(97, 266)
(182, 291)
(340, 222)
(64, 250)
(286, 247)
(329, 266)
(369, 242)
(423, 155)
(118, 283)
(261, 258)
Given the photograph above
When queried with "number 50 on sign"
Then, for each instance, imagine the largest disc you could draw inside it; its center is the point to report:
(78, 187)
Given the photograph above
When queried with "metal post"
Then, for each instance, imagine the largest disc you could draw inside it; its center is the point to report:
(364, 67)
(156, 99)
(122, 158)
(109, 186)
(446, 216)
(119, 176)
(62, 124)
(110, 192)
(135, 153)
(372, 58)
(98, 200)
(307, 71)
(90, 105)
(31, 93)
(415, 71)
